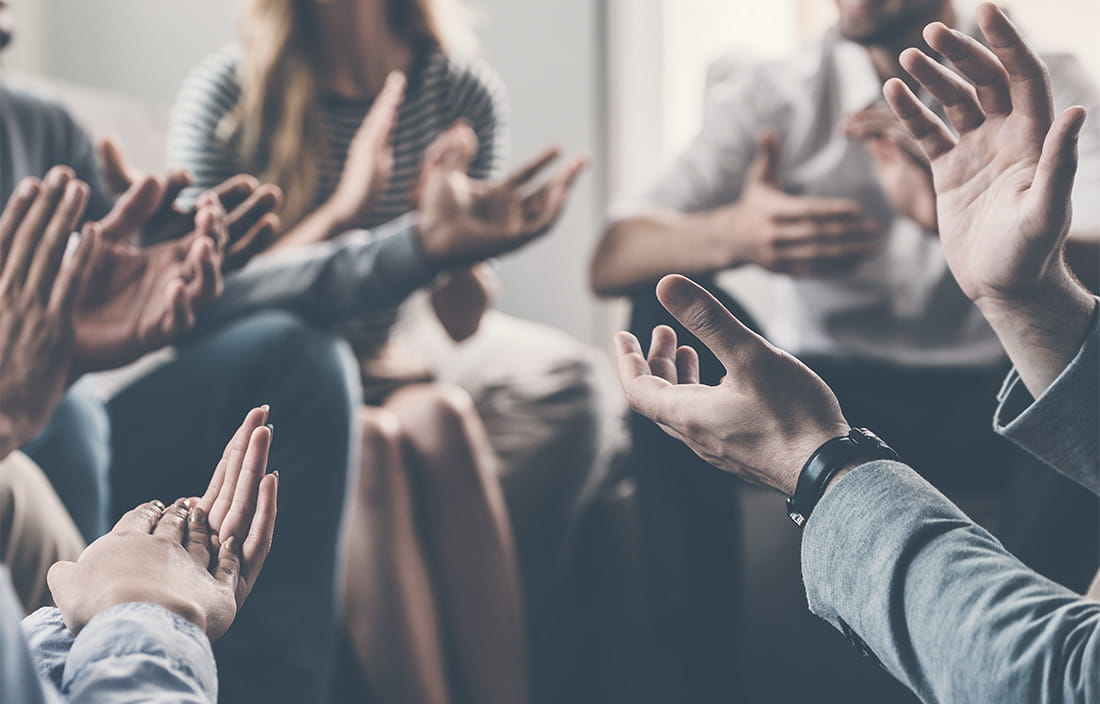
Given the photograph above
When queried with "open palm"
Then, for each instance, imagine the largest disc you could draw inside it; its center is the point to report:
(1003, 185)
(465, 220)
(139, 299)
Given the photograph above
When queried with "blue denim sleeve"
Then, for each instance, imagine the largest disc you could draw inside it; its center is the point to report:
(49, 641)
(140, 653)
(1062, 426)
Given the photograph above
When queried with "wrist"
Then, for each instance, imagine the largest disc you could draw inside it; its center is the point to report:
(120, 594)
(334, 218)
(723, 236)
(836, 457)
(1058, 291)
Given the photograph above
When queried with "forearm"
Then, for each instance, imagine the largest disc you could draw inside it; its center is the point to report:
(329, 283)
(1042, 332)
(945, 609)
(319, 226)
(640, 250)
(1059, 426)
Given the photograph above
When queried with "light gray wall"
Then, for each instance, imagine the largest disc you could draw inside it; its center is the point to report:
(549, 54)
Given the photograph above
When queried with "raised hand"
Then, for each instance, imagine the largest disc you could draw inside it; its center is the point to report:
(369, 163)
(138, 299)
(1003, 185)
(793, 235)
(902, 168)
(170, 556)
(761, 422)
(38, 293)
(240, 498)
(146, 212)
(463, 221)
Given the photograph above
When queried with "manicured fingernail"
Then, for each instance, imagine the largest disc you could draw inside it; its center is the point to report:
(276, 473)
(158, 503)
(271, 429)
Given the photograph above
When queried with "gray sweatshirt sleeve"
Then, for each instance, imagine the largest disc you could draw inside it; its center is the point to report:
(331, 282)
(1062, 426)
(913, 582)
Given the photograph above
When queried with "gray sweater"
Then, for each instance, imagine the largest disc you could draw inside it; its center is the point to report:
(935, 599)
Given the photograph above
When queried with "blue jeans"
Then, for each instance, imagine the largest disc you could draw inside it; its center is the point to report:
(168, 431)
(75, 454)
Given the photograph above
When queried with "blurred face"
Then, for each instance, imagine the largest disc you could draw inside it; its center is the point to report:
(878, 22)
(7, 23)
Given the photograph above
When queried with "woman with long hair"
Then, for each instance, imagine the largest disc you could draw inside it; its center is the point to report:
(338, 102)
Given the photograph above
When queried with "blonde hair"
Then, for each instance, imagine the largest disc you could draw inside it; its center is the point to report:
(276, 119)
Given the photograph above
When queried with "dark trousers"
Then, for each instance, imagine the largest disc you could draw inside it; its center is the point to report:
(168, 431)
(689, 524)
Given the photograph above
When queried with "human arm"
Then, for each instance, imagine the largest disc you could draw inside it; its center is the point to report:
(721, 204)
(146, 600)
(1060, 426)
(1003, 187)
(945, 609)
(38, 294)
(460, 298)
(365, 176)
(461, 221)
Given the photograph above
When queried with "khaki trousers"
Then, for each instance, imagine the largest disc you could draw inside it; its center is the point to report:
(35, 529)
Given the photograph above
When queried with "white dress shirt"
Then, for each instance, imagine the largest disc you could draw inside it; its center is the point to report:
(901, 307)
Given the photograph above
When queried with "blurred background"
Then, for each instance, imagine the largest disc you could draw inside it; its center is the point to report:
(623, 79)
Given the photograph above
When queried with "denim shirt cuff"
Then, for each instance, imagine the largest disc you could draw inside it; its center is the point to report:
(167, 649)
(49, 642)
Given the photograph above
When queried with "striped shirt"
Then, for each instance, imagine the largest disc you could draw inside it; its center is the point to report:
(442, 89)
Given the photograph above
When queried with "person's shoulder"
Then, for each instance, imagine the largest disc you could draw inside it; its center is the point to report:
(34, 104)
(42, 114)
(214, 82)
(467, 79)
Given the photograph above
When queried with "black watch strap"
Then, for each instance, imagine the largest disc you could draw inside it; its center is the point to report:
(859, 445)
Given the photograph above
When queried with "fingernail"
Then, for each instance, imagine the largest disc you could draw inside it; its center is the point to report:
(55, 178)
(265, 408)
(271, 429)
(28, 189)
(158, 503)
(276, 473)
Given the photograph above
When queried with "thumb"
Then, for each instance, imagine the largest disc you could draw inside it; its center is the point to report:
(708, 320)
(1053, 183)
(765, 166)
(228, 569)
(117, 170)
(58, 576)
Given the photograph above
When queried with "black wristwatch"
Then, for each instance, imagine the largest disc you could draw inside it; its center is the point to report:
(859, 445)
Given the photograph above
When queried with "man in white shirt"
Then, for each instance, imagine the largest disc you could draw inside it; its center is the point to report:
(800, 169)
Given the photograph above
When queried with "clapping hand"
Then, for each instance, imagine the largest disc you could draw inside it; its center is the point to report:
(174, 556)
